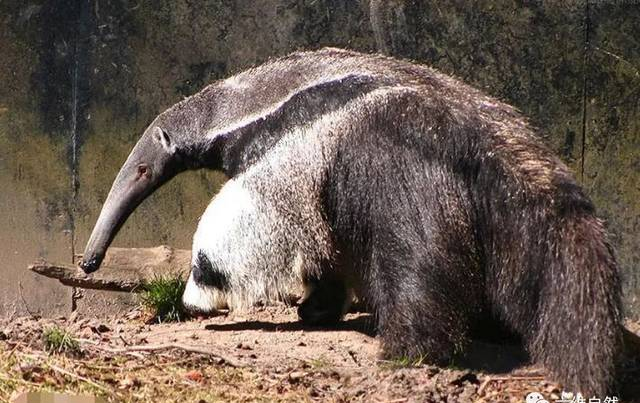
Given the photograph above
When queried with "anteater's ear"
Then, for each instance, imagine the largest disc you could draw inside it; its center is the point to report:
(163, 138)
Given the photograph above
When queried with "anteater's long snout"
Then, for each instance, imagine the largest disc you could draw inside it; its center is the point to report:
(152, 162)
(127, 192)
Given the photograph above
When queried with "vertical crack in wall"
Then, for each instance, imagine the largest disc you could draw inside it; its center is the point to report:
(78, 123)
(585, 66)
(74, 149)
(377, 20)
(73, 201)
(391, 27)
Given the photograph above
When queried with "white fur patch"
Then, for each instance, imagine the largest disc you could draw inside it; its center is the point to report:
(202, 299)
(213, 237)
(236, 82)
(232, 202)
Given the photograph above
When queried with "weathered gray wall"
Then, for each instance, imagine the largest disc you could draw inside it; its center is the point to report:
(81, 79)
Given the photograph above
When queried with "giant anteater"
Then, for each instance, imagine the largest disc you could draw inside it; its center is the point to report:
(434, 203)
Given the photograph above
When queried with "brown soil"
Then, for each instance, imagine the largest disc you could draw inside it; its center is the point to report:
(265, 355)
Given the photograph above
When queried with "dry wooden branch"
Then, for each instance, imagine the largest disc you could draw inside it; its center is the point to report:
(123, 269)
(81, 378)
(169, 346)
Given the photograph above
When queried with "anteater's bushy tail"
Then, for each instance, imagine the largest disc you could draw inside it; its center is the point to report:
(554, 280)
(578, 333)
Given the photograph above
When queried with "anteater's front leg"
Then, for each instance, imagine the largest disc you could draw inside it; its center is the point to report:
(326, 298)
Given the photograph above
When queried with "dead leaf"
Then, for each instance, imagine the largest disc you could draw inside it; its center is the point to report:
(195, 376)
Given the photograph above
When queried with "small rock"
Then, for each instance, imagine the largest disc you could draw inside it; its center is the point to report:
(3, 336)
(302, 344)
(296, 376)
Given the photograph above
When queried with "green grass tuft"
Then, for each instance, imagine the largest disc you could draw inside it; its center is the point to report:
(320, 362)
(60, 341)
(162, 297)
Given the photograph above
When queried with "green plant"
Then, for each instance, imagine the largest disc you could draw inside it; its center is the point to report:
(320, 362)
(162, 297)
(60, 341)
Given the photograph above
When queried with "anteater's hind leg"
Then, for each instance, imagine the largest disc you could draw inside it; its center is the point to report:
(326, 298)
(425, 299)
(420, 322)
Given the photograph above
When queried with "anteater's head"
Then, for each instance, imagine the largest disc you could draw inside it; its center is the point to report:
(154, 160)
(223, 122)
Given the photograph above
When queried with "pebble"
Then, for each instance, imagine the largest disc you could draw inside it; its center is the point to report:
(296, 376)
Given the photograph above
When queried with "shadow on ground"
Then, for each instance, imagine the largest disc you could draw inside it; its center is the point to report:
(497, 352)
(490, 354)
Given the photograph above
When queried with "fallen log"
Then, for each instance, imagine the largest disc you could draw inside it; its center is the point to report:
(123, 269)
(129, 269)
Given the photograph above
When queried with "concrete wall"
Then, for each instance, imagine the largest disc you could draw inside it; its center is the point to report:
(81, 79)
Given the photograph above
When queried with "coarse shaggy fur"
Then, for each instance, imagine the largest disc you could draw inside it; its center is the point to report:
(438, 205)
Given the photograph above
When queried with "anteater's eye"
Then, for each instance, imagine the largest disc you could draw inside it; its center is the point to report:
(143, 171)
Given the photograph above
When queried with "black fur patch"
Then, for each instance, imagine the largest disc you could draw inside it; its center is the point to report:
(206, 273)
(325, 304)
(249, 143)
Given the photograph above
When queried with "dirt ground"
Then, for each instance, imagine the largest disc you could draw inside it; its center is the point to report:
(260, 356)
